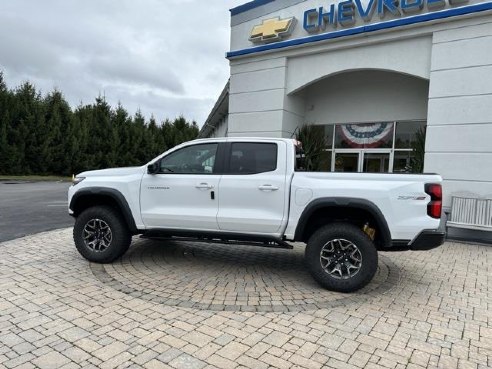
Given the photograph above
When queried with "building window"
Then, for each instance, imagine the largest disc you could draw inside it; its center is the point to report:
(371, 147)
(405, 141)
(406, 134)
(364, 136)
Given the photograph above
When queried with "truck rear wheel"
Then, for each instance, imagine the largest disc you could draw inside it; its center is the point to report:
(341, 257)
(101, 235)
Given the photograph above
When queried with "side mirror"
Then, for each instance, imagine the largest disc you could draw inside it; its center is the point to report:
(153, 168)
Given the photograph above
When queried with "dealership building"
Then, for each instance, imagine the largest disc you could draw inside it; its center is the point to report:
(376, 75)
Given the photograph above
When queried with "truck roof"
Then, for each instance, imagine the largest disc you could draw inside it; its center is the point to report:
(241, 139)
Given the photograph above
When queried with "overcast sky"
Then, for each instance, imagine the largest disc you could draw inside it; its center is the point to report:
(166, 57)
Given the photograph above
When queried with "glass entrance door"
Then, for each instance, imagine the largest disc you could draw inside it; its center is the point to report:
(376, 162)
(366, 161)
(347, 161)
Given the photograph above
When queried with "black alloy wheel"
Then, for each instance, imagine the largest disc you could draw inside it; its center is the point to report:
(341, 257)
(101, 234)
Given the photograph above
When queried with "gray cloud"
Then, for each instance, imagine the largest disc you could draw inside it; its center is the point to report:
(165, 57)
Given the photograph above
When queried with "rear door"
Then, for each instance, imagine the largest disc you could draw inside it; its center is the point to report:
(253, 188)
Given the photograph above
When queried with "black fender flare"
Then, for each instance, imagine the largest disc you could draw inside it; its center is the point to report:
(115, 195)
(346, 202)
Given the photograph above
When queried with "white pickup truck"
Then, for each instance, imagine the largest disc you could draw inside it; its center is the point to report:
(249, 191)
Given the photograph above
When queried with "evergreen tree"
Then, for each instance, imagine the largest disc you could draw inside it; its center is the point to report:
(4, 127)
(26, 117)
(157, 145)
(122, 128)
(61, 142)
(102, 140)
(83, 160)
(43, 135)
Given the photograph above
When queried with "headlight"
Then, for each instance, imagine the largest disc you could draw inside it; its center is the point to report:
(77, 180)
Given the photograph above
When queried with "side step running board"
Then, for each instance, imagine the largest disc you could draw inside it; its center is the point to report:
(277, 244)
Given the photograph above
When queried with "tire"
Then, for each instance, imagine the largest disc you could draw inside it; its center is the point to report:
(334, 247)
(107, 245)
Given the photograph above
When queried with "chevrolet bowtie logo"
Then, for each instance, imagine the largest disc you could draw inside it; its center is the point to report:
(272, 30)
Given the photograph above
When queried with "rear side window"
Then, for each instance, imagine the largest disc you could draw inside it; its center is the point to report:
(252, 158)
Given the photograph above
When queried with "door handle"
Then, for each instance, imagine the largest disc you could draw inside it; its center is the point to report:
(268, 187)
(204, 186)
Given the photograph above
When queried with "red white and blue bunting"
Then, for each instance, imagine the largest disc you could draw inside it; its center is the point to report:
(366, 135)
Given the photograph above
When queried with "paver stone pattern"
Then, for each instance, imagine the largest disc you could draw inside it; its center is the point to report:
(193, 305)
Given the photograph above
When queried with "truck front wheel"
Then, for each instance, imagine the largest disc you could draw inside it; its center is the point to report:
(341, 257)
(101, 235)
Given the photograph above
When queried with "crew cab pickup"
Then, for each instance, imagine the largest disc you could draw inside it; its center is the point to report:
(249, 191)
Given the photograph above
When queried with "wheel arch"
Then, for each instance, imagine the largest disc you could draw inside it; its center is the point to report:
(93, 196)
(322, 211)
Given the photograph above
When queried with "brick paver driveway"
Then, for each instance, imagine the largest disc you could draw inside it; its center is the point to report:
(196, 305)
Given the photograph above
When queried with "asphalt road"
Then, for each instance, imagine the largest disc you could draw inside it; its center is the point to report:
(28, 208)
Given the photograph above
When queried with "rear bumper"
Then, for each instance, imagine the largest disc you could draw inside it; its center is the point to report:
(428, 240)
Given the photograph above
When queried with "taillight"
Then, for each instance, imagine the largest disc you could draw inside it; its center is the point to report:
(434, 208)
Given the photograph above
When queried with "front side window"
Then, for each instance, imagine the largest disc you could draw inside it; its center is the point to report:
(196, 159)
(252, 158)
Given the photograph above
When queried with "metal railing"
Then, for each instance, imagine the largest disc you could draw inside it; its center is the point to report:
(471, 213)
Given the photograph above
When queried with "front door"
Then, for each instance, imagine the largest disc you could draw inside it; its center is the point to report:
(253, 190)
(183, 195)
